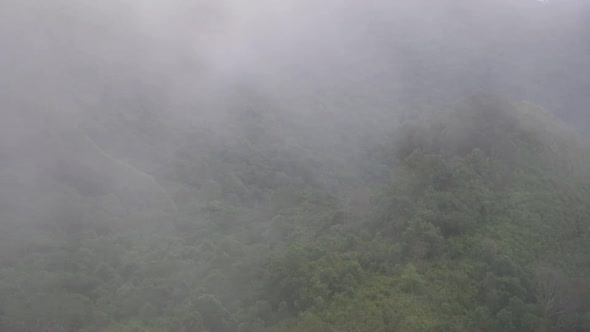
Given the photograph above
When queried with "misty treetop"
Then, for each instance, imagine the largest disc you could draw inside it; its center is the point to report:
(476, 222)
(297, 166)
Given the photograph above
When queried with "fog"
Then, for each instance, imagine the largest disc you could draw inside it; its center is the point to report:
(342, 63)
(81, 51)
(144, 124)
(334, 66)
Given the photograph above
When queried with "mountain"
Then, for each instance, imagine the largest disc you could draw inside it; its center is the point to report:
(472, 219)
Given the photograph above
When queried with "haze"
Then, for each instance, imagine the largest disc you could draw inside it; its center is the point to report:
(295, 165)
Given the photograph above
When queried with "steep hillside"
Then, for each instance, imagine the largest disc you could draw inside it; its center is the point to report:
(470, 220)
(481, 228)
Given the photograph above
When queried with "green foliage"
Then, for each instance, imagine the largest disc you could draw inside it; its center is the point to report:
(481, 225)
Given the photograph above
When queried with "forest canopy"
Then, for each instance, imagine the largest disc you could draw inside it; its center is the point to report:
(475, 222)
(216, 166)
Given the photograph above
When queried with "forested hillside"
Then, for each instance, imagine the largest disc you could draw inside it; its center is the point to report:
(469, 220)
(313, 166)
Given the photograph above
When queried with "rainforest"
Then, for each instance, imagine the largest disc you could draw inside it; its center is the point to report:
(333, 166)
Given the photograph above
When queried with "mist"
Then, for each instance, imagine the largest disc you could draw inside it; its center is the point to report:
(200, 165)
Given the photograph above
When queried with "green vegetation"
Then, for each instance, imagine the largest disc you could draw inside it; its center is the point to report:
(470, 220)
